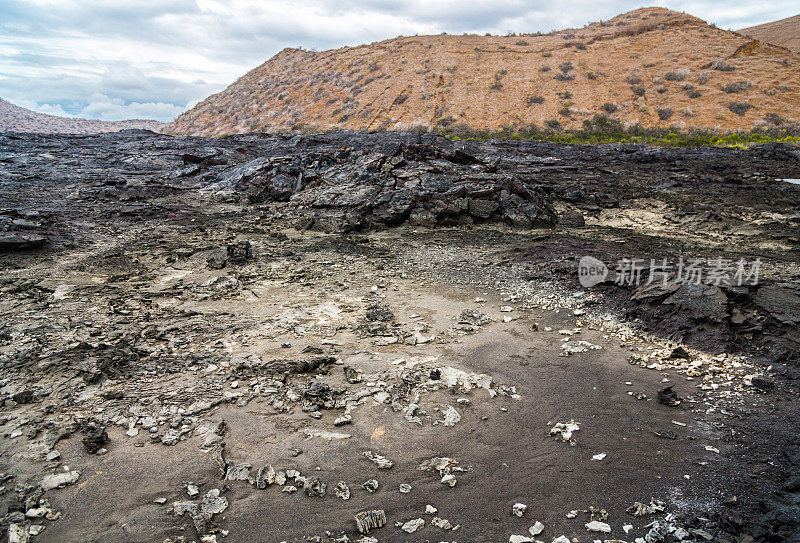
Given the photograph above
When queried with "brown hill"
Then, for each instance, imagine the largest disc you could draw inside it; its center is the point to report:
(785, 32)
(18, 119)
(651, 66)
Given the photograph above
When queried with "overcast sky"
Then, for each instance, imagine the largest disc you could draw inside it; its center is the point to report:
(120, 59)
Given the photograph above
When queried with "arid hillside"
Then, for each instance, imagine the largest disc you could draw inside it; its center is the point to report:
(785, 33)
(651, 66)
(18, 119)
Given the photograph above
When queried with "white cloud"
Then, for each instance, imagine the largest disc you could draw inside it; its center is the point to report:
(110, 109)
(150, 59)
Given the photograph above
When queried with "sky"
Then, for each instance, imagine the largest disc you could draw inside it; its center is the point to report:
(124, 59)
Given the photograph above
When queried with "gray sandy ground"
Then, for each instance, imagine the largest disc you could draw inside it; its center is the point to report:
(136, 316)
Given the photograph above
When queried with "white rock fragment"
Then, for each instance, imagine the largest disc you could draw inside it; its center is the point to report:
(381, 461)
(451, 416)
(564, 430)
(519, 509)
(520, 539)
(17, 533)
(431, 509)
(324, 434)
(449, 480)
(598, 457)
(49, 482)
(562, 539)
(344, 419)
(537, 528)
(341, 490)
(368, 520)
(405, 488)
(597, 526)
(444, 524)
(627, 528)
(571, 347)
(413, 525)
(709, 448)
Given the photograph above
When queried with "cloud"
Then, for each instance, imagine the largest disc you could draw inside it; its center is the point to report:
(114, 109)
(150, 58)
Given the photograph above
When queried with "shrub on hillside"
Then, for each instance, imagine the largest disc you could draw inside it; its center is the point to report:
(774, 118)
(638, 90)
(608, 107)
(664, 113)
(691, 92)
(536, 99)
(678, 75)
(739, 108)
(633, 80)
(738, 86)
(720, 65)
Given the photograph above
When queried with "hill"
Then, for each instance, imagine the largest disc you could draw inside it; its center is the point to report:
(18, 119)
(651, 66)
(785, 32)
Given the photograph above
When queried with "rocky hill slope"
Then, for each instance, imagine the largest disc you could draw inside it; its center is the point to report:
(785, 32)
(18, 119)
(651, 66)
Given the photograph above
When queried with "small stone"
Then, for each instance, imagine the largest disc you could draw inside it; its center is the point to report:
(536, 529)
(413, 525)
(381, 461)
(597, 526)
(341, 490)
(58, 480)
(519, 509)
(405, 488)
(344, 419)
(369, 520)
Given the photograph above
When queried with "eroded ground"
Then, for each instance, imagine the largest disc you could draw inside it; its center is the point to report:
(184, 308)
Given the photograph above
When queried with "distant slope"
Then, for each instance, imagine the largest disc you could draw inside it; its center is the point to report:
(18, 119)
(651, 66)
(785, 33)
